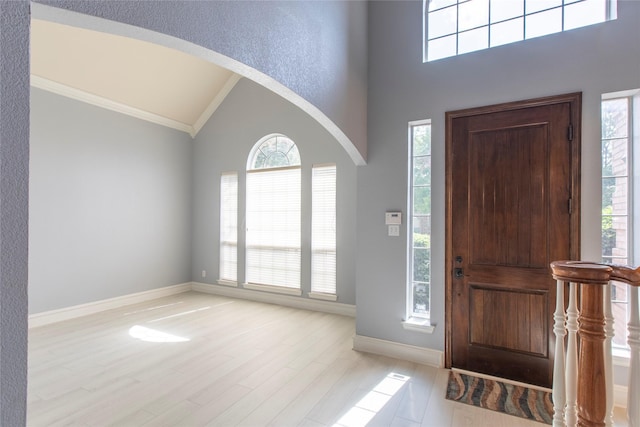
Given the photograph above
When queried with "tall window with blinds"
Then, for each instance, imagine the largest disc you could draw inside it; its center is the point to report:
(323, 232)
(229, 227)
(273, 244)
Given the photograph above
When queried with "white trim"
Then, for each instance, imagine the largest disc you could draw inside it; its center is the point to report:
(223, 282)
(108, 104)
(275, 289)
(418, 324)
(269, 298)
(424, 356)
(620, 396)
(215, 103)
(323, 296)
(53, 316)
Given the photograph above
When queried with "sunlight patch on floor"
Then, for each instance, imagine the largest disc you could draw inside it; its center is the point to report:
(367, 408)
(152, 335)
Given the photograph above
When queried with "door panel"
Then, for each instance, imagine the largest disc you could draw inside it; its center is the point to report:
(510, 178)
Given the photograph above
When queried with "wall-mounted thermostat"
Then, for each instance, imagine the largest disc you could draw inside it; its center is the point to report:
(393, 218)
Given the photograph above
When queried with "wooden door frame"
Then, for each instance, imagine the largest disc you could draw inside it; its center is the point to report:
(575, 101)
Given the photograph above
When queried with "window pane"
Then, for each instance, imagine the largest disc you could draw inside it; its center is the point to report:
(421, 200)
(422, 170)
(614, 118)
(584, 13)
(537, 5)
(472, 14)
(506, 9)
(614, 239)
(421, 261)
(441, 48)
(473, 40)
(442, 22)
(614, 190)
(421, 140)
(507, 32)
(421, 225)
(438, 4)
(614, 158)
(619, 308)
(543, 23)
(421, 299)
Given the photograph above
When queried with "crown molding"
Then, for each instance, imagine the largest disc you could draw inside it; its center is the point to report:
(108, 104)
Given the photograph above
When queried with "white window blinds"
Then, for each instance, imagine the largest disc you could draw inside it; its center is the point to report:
(273, 227)
(323, 229)
(229, 227)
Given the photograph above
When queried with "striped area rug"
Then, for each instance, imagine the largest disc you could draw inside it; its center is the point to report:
(497, 396)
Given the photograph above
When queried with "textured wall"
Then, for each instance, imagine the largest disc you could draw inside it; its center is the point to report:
(249, 113)
(597, 59)
(109, 203)
(14, 175)
(312, 52)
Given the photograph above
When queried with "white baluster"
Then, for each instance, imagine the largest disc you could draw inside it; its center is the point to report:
(558, 367)
(633, 397)
(572, 357)
(608, 356)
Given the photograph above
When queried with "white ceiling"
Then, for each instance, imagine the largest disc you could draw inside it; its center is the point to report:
(134, 77)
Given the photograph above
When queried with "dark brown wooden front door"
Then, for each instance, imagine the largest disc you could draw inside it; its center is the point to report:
(513, 199)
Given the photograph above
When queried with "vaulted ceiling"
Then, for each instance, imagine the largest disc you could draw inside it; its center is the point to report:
(134, 77)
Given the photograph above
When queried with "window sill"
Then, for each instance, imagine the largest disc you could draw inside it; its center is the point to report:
(322, 296)
(227, 283)
(417, 324)
(273, 289)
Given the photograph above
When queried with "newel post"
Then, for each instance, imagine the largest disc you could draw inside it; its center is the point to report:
(593, 280)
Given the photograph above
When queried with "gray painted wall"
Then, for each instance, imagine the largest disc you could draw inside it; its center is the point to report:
(110, 204)
(316, 49)
(595, 60)
(14, 188)
(249, 113)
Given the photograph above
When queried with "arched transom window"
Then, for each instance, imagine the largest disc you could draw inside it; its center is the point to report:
(274, 152)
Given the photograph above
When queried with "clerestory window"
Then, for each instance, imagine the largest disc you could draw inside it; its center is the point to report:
(455, 27)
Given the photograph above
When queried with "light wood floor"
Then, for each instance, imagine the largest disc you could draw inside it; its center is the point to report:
(195, 359)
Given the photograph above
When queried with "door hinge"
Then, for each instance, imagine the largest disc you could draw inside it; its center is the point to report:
(570, 206)
(570, 133)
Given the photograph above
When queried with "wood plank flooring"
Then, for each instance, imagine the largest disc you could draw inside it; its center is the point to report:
(194, 359)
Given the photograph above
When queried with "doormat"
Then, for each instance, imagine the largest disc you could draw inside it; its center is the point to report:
(497, 396)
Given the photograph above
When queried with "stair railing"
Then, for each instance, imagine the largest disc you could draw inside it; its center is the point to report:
(583, 371)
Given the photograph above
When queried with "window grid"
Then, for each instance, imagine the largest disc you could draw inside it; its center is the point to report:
(419, 236)
(323, 229)
(617, 243)
(438, 47)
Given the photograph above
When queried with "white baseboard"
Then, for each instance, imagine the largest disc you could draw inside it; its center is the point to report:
(47, 317)
(620, 395)
(424, 356)
(271, 298)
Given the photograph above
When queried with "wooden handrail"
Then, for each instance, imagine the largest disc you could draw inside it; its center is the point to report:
(594, 402)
